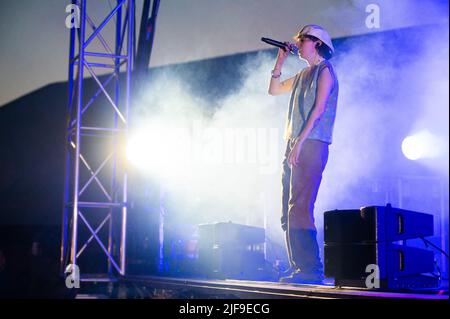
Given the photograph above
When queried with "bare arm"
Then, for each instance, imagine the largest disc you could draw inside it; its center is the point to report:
(276, 87)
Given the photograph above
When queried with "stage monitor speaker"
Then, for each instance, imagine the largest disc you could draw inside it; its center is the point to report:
(355, 239)
(350, 261)
(375, 224)
(228, 250)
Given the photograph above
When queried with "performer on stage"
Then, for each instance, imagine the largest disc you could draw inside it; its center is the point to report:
(308, 133)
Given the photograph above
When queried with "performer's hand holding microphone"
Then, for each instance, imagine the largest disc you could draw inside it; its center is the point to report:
(281, 57)
(285, 48)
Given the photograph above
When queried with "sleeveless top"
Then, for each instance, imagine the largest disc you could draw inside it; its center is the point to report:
(302, 101)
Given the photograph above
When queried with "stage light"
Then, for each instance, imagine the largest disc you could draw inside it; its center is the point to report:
(421, 145)
(159, 150)
(151, 148)
(137, 153)
(412, 148)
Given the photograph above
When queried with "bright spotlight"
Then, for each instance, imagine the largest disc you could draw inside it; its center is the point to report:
(149, 147)
(421, 145)
(157, 149)
(138, 151)
(412, 148)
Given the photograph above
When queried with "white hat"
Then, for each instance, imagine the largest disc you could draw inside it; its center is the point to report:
(318, 32)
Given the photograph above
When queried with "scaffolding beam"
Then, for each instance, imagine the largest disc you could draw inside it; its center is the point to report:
(82, 203)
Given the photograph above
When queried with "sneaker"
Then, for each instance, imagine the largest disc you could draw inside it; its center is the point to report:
(287, 272)
(304, 278)
(289, 276)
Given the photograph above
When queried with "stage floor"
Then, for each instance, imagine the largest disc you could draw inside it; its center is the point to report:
(202, 288)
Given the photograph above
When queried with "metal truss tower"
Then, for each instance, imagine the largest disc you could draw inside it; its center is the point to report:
(95, 196)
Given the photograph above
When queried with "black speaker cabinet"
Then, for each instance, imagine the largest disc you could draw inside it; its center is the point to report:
(375, 224)
(356, 240)
(228, 250)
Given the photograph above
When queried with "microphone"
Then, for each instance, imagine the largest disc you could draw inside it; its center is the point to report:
(292, 48)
